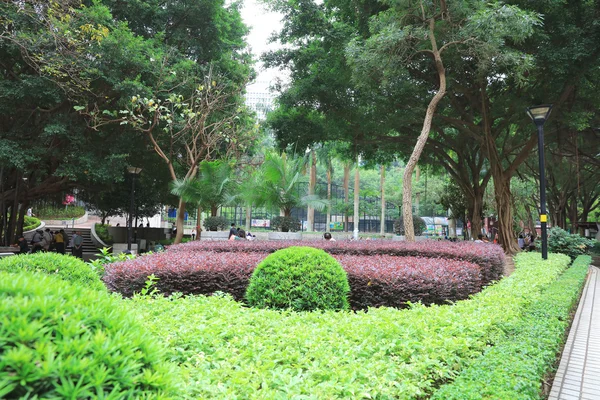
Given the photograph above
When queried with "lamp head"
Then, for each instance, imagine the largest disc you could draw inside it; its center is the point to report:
(539, 114)
(134, 170)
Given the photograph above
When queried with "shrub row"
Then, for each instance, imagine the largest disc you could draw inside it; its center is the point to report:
(66, 267)
(64, 341)
(228, 351)
(382, 280)
(488, 256)
(378, 280)
(515, 367)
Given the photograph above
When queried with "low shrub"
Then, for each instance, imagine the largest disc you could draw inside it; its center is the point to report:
(515, 367)
(390, 281)
(573, 245)
(69, 212)
(285, 224)
(226, 350)
(30, 223)
(419, 226)
(215, 223)
(489, 257)
(102, 232)
(375, 281)
(188, 273)
(299, 278)
(106, 257)
(66, 267)
(65, 341)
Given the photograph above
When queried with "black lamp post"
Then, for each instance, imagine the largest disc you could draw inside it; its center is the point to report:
(134, 172)
(539, 115)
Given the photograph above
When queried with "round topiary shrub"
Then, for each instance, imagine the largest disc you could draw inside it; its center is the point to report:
(419, 225)
(66, 267)
(285, 224)
(300, 278)
(64, 341)
(215, 223)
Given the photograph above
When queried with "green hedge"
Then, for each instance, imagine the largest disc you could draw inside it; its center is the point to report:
(69, 212)
(300, 278)
(60, 341)
(66, 267)
(226, 350)
(515, 367)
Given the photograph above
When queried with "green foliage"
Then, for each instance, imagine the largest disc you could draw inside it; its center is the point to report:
(30, 223)
(66, 267)
(215, 223)
(102, 232)
(516, 366)
(285, 224)
(66, 341)
(418, 223)
(59, 213)
(383, 353)
(573, 245)
(301, 279)
(107, 257)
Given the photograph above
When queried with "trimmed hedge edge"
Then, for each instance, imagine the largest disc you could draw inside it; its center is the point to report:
(515, 367)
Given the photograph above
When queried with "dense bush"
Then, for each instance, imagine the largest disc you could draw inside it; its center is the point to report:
(226, 350)
(188, 273)
(390, 281)
(102, 232)
(30, 223)
(573, 245)
(61, 341)
(66, 267)
(488, 256)
(285, 224)
(515, 367)
(377, 280)
(215, 223)
(299, 278)
(419, 226)
(69, 212)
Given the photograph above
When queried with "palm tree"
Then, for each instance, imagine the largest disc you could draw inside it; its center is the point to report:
(210, 189)
(281, 174)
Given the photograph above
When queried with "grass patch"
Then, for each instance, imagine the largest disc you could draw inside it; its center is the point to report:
(60, 213)
(225, 350)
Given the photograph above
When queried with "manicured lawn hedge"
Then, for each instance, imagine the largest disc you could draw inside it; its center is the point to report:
(488, 256)
(515, 366)
(64, 341)
(376, 280)
(66, 267)
(228, 351)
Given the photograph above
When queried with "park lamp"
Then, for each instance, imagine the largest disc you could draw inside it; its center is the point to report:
(134, 171)
(539, 114)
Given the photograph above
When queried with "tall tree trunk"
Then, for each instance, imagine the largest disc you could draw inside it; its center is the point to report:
(312, 181)
(418, 194)
(198, 222)
(409, 230)
(12, 222)
(328, 228)
(213, 210)
(179, 221)
(356, 217)
(21, 221)
(248, 217)
(382, 224)
(475, 211)
(346, 194)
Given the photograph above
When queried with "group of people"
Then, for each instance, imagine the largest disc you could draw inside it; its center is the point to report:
(239, 234)
(526, 241)
(46, 240)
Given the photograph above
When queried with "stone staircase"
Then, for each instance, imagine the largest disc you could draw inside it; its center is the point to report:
(88, 245)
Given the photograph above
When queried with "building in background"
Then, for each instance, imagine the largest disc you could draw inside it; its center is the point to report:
(260, 99)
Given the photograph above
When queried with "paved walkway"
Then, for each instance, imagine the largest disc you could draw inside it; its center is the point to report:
(578, 376)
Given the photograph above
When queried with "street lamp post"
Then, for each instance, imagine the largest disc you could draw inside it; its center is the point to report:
(134, 172)
(539, 115)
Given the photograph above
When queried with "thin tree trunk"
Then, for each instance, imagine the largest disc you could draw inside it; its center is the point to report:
(356, 217)
(179, 221)
(310, 213)
(409, 230)
(248, 217)
(418, 194)
(198, 222)
(328, 228)
(382, 224)
(21, 221)
(346, 194)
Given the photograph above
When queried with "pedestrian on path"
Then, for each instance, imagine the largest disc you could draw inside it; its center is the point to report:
(59, 242)
(77, 250)
(194, 234)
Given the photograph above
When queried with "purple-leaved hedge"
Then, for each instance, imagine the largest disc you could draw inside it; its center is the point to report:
(379, 274)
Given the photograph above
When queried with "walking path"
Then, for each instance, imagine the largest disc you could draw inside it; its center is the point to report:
(578, 376)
